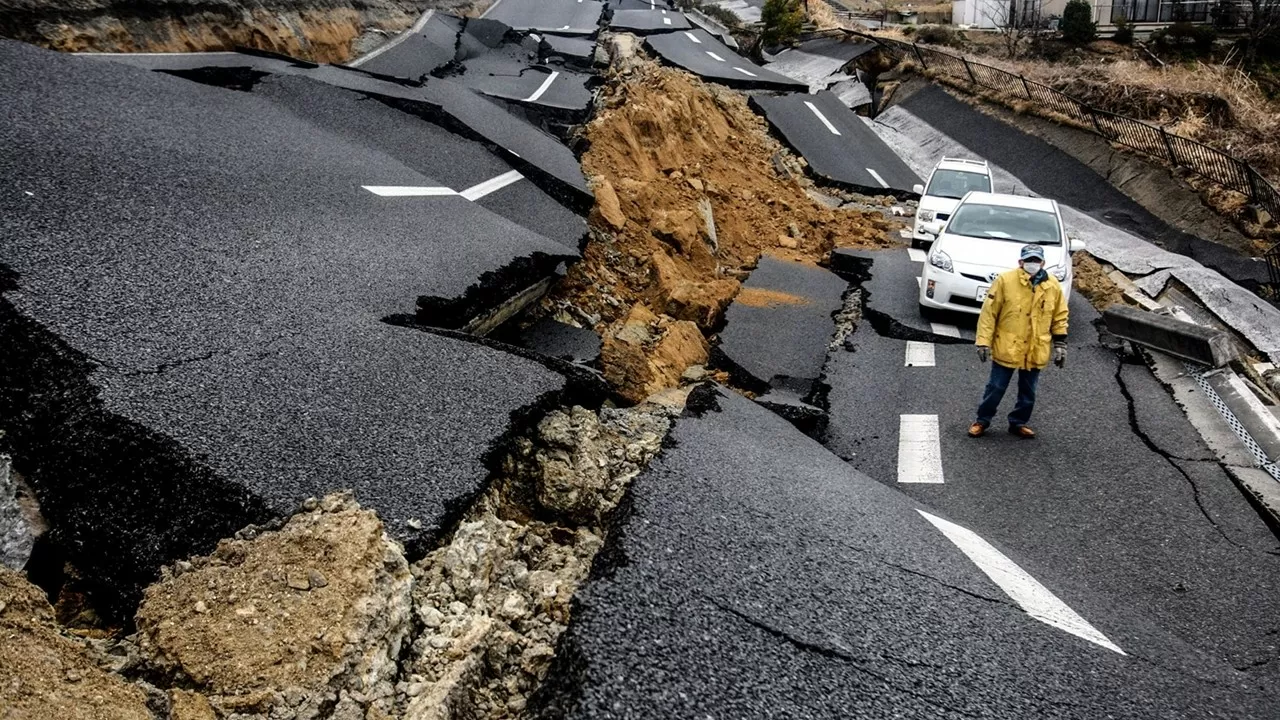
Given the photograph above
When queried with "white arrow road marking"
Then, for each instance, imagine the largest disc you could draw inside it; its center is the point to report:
(744, 72)
(715, 56)
(693, 37)
(1034, 598)
(407, 191)
(543, 87)
(944, 329)
(917, 255)
(822, 117)
(879, 179)
(919, 450)
(919, 354)
(491, 185)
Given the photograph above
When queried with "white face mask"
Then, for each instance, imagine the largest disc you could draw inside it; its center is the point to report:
(1032, 267)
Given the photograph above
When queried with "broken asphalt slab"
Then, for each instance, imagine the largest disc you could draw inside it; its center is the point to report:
(777, 329)
(836, 143)
(702, 54)
(564, 17)
(648, 21)
(753, 574)
(819, 63)
(891, 297)
(430, 44)
(193, 294)
(507, 78)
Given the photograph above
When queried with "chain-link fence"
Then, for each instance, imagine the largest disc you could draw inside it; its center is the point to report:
(1215, 165)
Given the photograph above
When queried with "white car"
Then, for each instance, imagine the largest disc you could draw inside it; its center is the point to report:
(950, 180)
(983, 238)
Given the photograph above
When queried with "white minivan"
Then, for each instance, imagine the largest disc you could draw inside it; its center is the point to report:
(949, 181)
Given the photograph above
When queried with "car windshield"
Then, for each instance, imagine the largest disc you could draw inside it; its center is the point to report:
(955, 183)
(1006, 223)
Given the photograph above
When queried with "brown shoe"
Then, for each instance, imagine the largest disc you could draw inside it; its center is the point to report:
(1022, 431)
(977, 430)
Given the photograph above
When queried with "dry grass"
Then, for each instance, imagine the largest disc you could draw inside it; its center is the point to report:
(821, 15)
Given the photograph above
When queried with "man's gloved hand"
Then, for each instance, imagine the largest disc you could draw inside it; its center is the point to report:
(1059, 355)
(984, 353)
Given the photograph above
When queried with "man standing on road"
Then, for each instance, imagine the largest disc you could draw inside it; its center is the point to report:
(1023, 324)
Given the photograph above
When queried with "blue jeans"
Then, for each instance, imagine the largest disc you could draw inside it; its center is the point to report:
(997, 384)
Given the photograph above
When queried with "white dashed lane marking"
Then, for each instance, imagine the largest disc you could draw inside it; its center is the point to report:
(919, 354)
(917, 255)
(715, 56)
(745, 72)
(693, 37)
(407, 191)
(944, 329)
(543, 87)
(665, 20)
(919, 450)
(822, 117)
(1034, 598)
(879, 179)
(472, 193)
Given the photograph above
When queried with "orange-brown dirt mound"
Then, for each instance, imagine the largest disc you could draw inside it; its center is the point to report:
(688, 198)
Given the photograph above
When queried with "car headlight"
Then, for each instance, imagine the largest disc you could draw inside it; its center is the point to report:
(926, 215)
(1060, 272)
(940, 260)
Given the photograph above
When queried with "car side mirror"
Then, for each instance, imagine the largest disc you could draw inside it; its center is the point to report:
(917, 189)
(1077, 245)
(932, 228)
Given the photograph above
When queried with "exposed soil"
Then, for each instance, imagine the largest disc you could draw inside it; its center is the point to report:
(1091, 279)
(760, 297)
(690, 189)
(44, 674)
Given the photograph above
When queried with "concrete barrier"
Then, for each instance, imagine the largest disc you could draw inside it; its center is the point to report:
(1188, 341)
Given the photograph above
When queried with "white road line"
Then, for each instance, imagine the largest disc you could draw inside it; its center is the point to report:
(407, 191)
(417, 28)
(813, 108)
(920, 281)
(919, 354)
(491, 185)
(744, 72)
(1034, 598)
(543, 87)
(491, 8)
(879, 179)
(693, 37)
(566, 27)
(917, 255)
(919, 451)
(944, 329)
(904, 234)
(665, 21)
(715, 56)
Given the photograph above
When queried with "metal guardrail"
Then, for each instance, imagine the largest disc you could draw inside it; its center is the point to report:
(1207, 162)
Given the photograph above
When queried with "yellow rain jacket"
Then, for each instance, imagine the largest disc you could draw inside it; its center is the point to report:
(1018, 321)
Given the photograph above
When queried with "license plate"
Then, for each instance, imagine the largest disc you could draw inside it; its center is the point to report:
(982, 293)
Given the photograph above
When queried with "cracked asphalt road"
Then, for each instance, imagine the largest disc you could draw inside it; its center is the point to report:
(755, 574)
(1119, 507)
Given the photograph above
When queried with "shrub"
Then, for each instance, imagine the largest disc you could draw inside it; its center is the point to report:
(1184, 35)
(1077, 26)
(908, 30)
(782, 20)
(1124, 32)
(935, 35)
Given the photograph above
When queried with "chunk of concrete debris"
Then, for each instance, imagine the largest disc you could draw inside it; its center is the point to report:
(44, 675)
(293, 621)
(643, 353)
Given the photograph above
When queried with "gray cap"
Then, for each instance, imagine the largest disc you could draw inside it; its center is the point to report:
(1032, 251)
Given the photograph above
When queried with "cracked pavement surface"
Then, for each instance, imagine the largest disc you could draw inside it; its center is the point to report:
(1119, 507)
(217, 367)
(757, 575)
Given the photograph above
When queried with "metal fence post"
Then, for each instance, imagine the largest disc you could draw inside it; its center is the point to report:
(1094, 117)
(920, 56)
(1168, 146)
(972, 78)
(1252, 176)
(1026, 87)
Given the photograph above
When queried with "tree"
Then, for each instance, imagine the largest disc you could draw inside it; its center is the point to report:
(782, 20)
(1263, 25)
(1016, 21)
(1077, 26)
